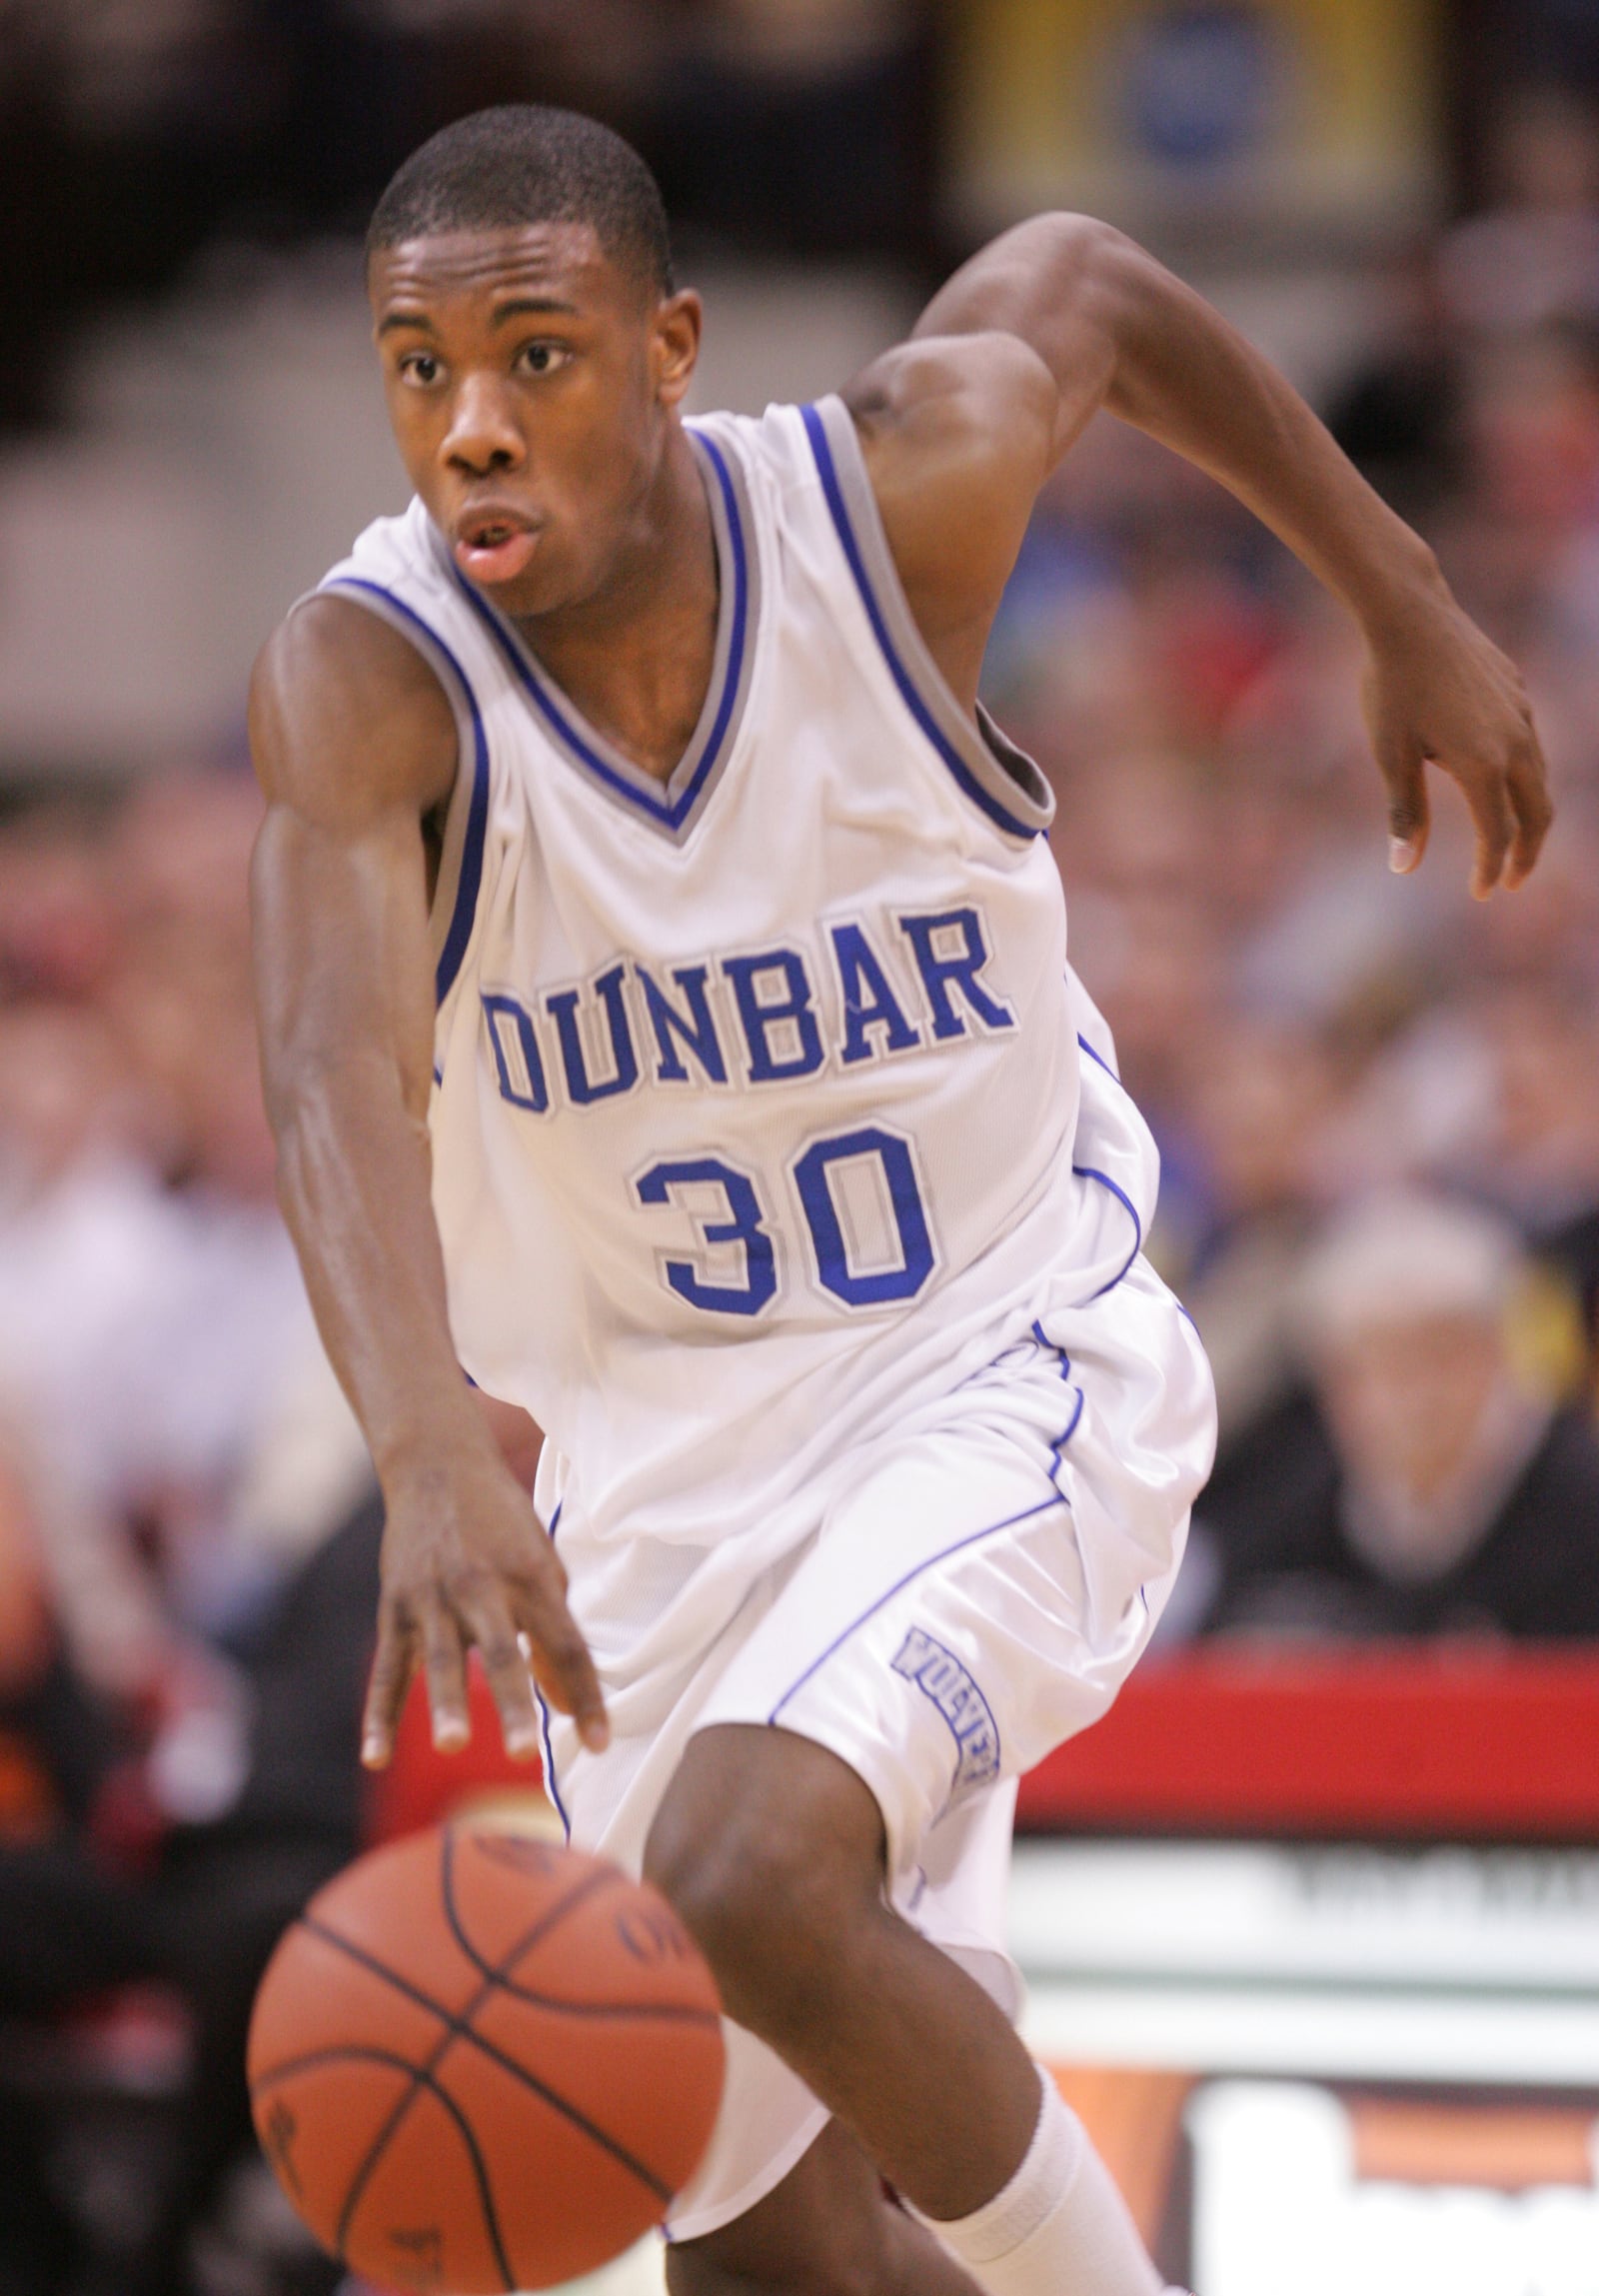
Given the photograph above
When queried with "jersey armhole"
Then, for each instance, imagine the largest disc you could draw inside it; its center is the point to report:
(999, 779)
(454, 895)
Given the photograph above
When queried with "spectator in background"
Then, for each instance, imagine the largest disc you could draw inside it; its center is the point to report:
(1397, 415)
(1532, 1145)
(1534, 255)
(1258, 1109)
(153, 1327)
(1419, 1484)
(1521, 536)
(190, 1526)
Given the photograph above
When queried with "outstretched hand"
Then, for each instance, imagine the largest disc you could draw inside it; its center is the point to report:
(1439, 692)
(466, 1560)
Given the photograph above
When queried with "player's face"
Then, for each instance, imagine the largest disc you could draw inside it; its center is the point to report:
(529, 381)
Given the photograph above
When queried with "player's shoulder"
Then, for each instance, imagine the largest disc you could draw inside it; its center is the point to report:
(343, 705)
(346, 689)
(938, 397)
(331, 656)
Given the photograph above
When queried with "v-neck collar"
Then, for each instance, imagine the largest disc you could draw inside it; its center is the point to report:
(673, 805)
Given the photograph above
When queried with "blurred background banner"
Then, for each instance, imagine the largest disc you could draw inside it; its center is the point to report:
(1308, 1920)
(1281, 118)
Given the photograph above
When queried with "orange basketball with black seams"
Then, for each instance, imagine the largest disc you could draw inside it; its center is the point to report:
(479, 2061)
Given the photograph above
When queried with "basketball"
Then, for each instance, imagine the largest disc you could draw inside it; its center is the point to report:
(481, 2061)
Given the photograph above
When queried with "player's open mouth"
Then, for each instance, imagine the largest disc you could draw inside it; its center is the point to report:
(494, 545)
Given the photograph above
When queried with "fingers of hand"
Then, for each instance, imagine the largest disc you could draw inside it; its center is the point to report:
(1510, 812)
(1489, 799)
(443, 1663)
(1529, 800)
(391, 1676)
(1405, 775)
(484, 1612)
(561, 1662)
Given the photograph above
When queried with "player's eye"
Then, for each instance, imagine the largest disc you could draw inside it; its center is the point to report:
(542, 358)
(420, 368)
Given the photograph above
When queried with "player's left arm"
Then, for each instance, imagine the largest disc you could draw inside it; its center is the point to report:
(1063, 316)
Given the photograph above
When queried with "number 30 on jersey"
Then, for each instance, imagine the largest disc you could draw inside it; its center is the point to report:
(862, 1210)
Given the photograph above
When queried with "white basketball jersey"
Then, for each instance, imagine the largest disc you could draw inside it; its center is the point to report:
(758, 1120)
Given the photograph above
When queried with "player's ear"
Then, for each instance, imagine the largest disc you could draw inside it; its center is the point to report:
(675, 344)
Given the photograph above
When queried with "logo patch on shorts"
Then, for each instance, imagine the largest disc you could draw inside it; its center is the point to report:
(939, 1675)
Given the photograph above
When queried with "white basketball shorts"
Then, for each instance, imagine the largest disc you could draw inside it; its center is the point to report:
(972, 1590)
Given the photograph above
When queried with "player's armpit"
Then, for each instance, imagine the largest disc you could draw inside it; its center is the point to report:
(958, 437)
(518, 1435)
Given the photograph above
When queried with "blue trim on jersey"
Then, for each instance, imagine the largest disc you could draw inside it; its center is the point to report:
(1086, 1171)
(972, 1538)
(817, 432)
(670, 812)
(1099, 1060)
(1061, 1441)
(1058, 1499)
(739, 636)
(466, 907)
(1045, 1340)
(551, 1784)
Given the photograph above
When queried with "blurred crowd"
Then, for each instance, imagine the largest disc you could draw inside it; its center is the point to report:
(1377, 1105)
(1308, 1033)
(187, 1537)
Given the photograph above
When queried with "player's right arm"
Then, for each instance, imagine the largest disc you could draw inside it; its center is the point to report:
(355, 745)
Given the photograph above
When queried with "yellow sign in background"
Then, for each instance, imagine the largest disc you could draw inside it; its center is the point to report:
(1297, 115)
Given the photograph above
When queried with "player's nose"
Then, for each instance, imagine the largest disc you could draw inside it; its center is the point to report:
(483, 434)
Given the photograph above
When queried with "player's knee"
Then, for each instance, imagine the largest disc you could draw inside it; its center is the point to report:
(740, 1887)
(764, 1860)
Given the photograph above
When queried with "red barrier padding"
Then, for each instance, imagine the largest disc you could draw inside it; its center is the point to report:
(1410, 1740)
(1414, 1740)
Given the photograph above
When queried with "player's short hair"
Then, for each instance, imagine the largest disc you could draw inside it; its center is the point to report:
(529, 163)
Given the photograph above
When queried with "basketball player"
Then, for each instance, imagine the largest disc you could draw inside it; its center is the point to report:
(668, 1019)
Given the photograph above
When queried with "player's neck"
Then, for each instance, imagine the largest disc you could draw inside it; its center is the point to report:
(635, 656)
